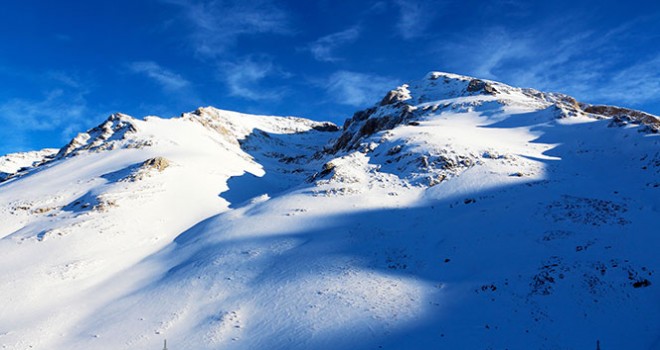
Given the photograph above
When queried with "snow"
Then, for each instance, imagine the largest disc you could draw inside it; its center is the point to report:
(12, 163)
(484, 221)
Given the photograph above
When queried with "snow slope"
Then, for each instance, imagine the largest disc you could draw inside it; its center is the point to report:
(455, 213)
(13, 163)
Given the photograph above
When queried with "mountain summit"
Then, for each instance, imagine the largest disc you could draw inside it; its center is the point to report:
(454, 213)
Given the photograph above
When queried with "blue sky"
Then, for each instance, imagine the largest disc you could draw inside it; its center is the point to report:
(65, 65)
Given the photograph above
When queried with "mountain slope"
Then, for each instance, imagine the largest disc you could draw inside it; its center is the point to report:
(15, 162)
(457, 213)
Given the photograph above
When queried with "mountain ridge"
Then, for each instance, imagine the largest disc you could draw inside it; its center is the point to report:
(456, 212)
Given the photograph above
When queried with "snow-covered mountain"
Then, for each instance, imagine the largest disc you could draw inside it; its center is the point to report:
(15, 162)
(455, 213)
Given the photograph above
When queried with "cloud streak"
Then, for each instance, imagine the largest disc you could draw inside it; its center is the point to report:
(60, 109)
(55, 109)
(323, 48)
(218, 24)
(585, 64)
(168, 80)
(357, 89)
(244, 77)
(414, 17)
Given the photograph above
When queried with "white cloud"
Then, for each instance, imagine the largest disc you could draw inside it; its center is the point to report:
(486, 54)
(358, 89)
(217, 24)
(167, 79)
(322, 49)
(583, 64)
(243, 78)
(414, 17)
(60, 112)
(57, 110)
(635, 84)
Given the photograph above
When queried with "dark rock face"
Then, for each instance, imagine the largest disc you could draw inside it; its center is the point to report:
(477, 85)
(368, 122)
(372, 126)
(326, 127)
(342, 141)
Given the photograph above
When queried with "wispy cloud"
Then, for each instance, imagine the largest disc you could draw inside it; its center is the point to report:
(217, 24)
(415, 16)
(585, 64)
(168, 80)
(484, 55)
(636, 84)
(358, 89)
(244, 78)
(323, 48)
(61, 110)
(55, 109)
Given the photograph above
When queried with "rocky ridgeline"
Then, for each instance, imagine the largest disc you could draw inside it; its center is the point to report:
(368, 130)
(405, 105)
(103, 137)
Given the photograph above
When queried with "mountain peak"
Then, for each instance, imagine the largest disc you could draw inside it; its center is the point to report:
(440, 92)
(452, 200)
(104, 136)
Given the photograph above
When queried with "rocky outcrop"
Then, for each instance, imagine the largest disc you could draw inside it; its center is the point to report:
(624, 116)
(372, 120)
(211, 119)
(146, 169)
(157, 163)
(395, 96)
(326, 127)
(571, 107)
(116, 128)
(478, 85)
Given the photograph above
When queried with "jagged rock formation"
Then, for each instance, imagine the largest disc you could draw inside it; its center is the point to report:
(116, 128)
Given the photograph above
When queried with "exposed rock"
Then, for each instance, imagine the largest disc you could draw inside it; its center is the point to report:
(370, 121)
(359, 116)
(342, 142)
(373, 125)
(327, 169)
(624, 116)
(435, 180)
(158, 163)
(99, 138)
(211, 120)
(326, 127)
(477, 85)
(104, 204)
(394, 150)
(424, 161)
(43, 210)
(395, 96)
